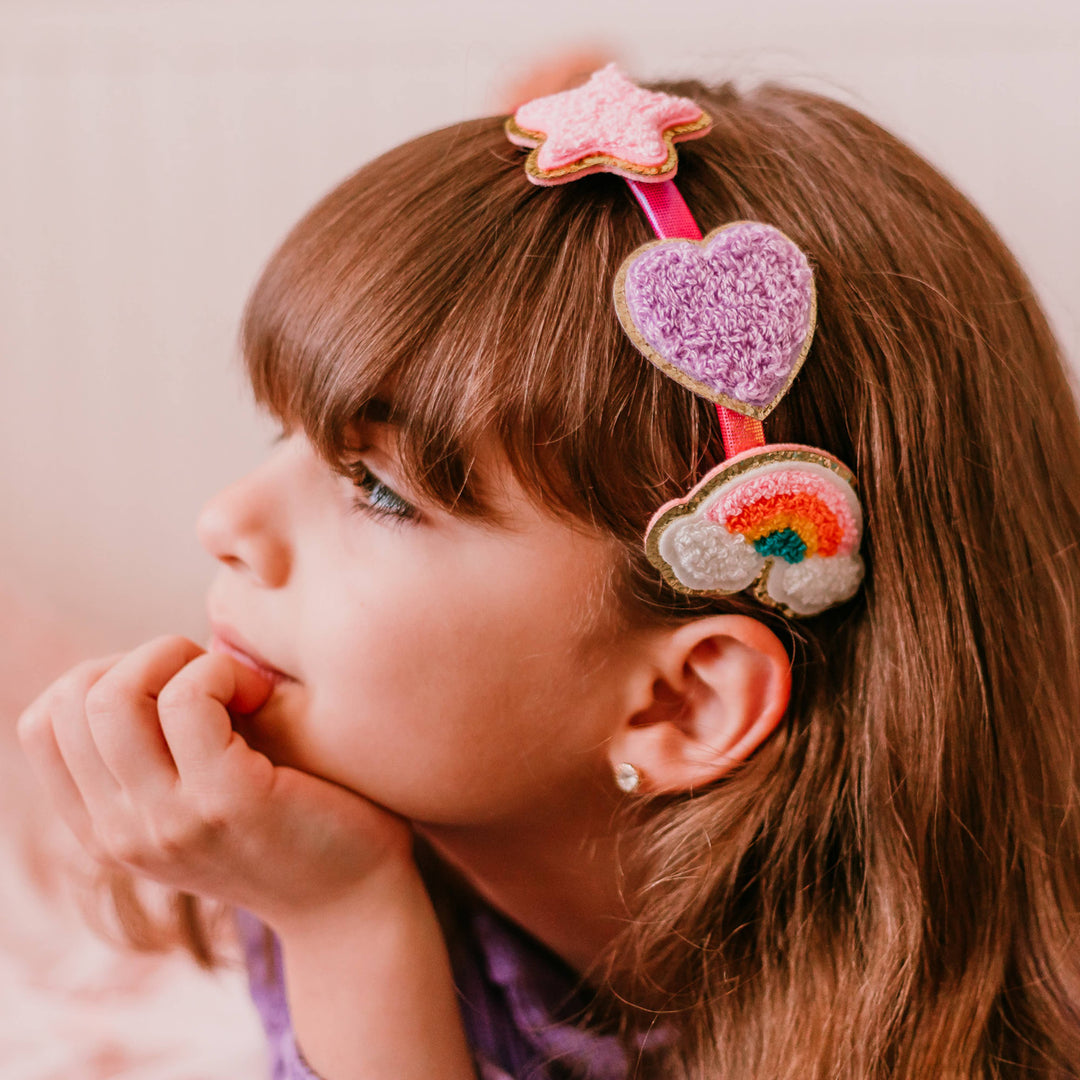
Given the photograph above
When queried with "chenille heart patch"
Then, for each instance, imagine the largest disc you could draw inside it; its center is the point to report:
(730, 316)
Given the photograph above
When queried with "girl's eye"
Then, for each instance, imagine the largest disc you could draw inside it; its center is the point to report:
(374, 497)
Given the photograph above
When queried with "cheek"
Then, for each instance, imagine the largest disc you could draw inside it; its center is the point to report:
(447, 691)
(432, 677)
(428, 629)
(457, 717)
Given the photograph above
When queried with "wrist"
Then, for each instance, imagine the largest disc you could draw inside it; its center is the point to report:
(386, 895)
(346, 960)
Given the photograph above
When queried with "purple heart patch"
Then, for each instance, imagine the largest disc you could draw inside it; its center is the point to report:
(730, 316)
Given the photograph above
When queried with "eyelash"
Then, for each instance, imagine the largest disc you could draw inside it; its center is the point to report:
(378, 499)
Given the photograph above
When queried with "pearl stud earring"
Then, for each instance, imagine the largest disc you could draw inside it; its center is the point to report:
(627, 777)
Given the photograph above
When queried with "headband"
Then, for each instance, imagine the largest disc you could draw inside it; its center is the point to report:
(730, 316)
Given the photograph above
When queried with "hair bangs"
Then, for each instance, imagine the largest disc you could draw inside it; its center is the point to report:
(360, 302)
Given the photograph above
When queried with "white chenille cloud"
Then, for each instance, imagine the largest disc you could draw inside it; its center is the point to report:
(814, 584)
(704, 555)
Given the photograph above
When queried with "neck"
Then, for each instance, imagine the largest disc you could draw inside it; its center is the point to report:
(558, 878)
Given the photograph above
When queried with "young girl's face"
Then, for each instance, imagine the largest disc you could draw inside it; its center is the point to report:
(452, 670)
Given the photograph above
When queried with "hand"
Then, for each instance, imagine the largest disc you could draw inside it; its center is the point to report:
(140, 756)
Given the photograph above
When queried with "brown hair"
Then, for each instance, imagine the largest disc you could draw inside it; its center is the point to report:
(891, 886)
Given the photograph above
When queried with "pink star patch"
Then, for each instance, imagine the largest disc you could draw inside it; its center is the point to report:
(607, 125)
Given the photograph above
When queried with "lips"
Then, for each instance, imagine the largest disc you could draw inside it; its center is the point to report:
(224, 639)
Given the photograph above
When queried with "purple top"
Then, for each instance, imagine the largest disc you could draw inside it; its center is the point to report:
(518, 1004)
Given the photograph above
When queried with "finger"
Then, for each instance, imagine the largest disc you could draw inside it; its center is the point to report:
(194, 709)
(60, 707)
(39, 744)
(122, 711)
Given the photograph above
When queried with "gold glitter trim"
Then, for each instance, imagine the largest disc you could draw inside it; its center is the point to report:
(626, 318)
(605, 162)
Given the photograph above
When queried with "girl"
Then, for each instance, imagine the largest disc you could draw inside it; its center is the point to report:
(851, 844)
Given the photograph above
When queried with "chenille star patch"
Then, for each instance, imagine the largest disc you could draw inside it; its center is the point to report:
(607, 125)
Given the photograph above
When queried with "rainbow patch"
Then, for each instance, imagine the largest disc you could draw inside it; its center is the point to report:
(790, 502)
(786, 519)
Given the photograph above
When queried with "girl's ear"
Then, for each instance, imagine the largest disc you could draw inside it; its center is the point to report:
(719, 686)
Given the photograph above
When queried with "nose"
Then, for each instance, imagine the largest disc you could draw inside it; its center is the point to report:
(242, 526)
